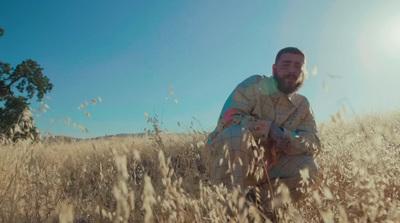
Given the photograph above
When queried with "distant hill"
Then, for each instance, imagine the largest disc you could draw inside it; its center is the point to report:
(73, 139)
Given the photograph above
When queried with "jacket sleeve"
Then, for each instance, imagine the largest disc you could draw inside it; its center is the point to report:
(304, 140)
(238, 109)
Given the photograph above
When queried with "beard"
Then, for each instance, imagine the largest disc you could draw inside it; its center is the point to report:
(285, 87)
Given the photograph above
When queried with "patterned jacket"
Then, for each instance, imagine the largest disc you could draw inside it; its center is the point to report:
(256, 103)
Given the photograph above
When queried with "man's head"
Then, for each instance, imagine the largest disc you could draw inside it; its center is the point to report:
(288, 69)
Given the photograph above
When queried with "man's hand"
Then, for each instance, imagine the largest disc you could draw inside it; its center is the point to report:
(281, 141)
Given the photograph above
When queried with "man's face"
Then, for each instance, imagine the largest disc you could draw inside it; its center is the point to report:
(289, 72)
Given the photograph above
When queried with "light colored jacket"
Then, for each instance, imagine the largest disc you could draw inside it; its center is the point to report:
(256, 103)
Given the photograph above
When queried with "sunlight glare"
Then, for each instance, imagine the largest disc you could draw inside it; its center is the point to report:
(390, 37)
(379, 43)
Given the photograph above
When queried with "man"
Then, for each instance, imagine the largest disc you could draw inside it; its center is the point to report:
(266, 133)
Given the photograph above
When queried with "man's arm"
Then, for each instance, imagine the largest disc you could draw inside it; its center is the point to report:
(304, 140)
(239, 106)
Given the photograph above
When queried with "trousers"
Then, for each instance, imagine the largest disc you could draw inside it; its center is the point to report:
(235, 161)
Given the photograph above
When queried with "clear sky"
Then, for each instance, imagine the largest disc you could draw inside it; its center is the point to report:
(132, 52)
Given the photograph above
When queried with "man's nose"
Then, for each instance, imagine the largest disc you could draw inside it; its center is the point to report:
(292, 69)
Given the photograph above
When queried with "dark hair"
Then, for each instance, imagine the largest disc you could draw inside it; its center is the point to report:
(293, 50)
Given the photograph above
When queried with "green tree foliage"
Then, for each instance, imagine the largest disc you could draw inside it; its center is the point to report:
(17, 86)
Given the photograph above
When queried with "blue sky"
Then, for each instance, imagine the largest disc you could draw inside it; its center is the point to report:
(130, 53)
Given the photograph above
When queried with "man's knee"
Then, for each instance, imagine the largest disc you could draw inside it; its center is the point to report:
(233, 138)
(309, 170)
(300, 167)
(230, 146)
(234, 133)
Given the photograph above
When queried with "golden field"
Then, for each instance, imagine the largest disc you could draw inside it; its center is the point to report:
(160, 178)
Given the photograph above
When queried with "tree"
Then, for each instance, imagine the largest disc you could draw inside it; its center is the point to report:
(17, 86)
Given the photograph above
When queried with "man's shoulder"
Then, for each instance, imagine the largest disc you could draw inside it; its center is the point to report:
(300, 100)
(252, 80)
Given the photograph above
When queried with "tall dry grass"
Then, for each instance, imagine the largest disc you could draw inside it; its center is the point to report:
(161, 178)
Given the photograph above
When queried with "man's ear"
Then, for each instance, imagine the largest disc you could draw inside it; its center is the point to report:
(273, 69)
